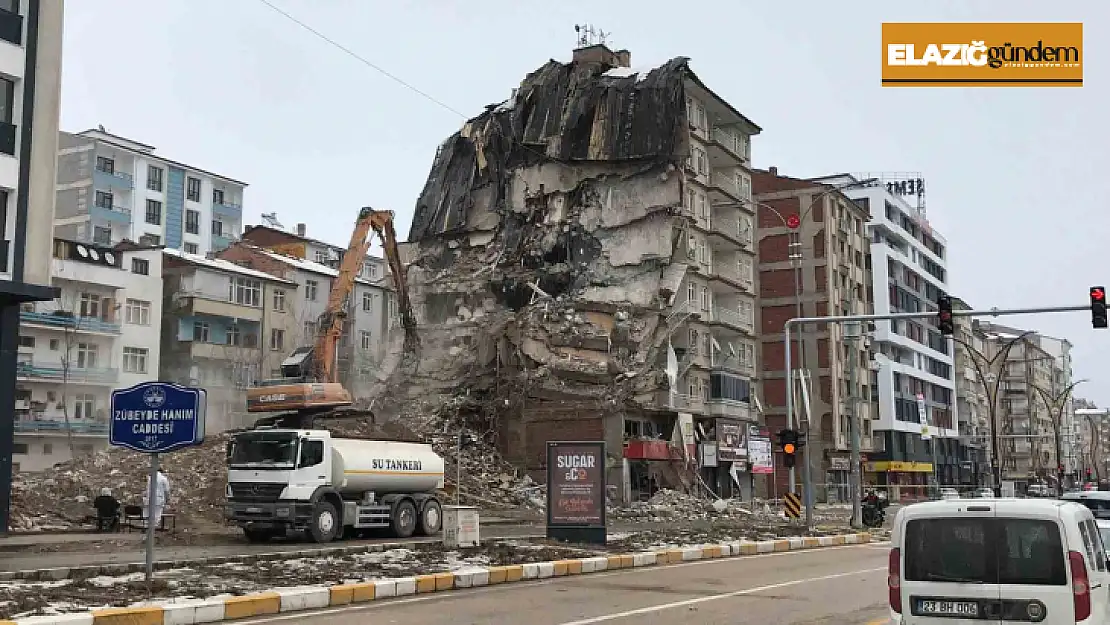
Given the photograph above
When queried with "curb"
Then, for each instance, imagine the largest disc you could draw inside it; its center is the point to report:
(316, 597)
(93, 570)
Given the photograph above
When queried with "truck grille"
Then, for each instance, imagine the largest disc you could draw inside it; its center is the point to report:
(255, 491)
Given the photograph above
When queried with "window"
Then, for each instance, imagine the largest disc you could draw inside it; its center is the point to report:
(986, 550)
(279, 300)
(150, 239)
(705, 298)
(309, 331)
(691, 293)
(234, 336)
(154, 212)
(84, 406)
(699, 161)
(368, 302)
(89, 305)
(154, 178)
(312, 453)
(7, 100)
(105, 164)
(192, 222)
(217, 228)
(217, 196)
(140, 266)
(692, 342)
(103, 199)
(26, 341)
(201, 332)
(47, 449)
(191, 248)
(86, 355)
(192, 189)
(321, 257)
(365, 337)
(55, 345)
(245, 292)
(310, 287)
(277, 339)
(134, 359)
(102, 235)
(138, 312)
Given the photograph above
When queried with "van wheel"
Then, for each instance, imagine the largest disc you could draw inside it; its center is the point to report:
(325, 523)
(432, 518)
(404, 519)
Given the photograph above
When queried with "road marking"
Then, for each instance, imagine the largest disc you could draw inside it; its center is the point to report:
(378, 605)
(727, 595)
(879, 621)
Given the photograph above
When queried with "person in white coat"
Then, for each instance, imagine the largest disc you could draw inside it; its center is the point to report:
(161, 498)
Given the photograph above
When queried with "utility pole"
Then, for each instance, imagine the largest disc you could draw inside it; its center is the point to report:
(852, 333)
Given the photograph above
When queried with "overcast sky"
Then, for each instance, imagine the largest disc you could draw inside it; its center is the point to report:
(1013, 175)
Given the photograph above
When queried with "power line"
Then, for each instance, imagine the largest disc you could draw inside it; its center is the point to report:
(361, 59)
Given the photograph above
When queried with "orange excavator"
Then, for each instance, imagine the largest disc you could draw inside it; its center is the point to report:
(309, 385)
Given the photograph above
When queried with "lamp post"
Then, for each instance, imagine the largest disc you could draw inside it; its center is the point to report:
(977, 361)
(1056, 404)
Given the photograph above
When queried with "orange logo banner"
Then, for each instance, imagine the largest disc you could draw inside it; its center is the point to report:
(982, 55)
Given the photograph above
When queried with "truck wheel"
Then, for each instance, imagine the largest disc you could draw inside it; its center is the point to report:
(432, 518)
(325, 523)
(255, 535)
(404, 519)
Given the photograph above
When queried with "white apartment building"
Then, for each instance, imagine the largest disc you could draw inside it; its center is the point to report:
(101, 333)
(110, 188)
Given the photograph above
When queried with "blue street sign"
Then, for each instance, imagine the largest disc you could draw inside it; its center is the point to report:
(157, 417)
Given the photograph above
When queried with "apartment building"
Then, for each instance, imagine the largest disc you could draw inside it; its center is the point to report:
(299, 245)
(824, 263)
(99, 334)
(216, 319)
(362, 344)
(714, 315)
(30, 79)
(913, 382)
(1063, 405)
(973, 396)
(111, 188)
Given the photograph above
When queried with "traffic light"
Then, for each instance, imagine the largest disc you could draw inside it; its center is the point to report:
(944, 315)
(788, 440)
(1098, 306)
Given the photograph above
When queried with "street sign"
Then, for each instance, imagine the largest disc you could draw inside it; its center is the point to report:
(157, 417)
(154, 418)
(576, 491)
(792, 505)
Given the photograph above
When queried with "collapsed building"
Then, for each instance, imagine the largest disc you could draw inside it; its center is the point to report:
(581, 264)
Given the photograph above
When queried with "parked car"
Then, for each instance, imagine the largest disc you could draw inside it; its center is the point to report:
(949, 493)
(984, 493)
(1097, 500)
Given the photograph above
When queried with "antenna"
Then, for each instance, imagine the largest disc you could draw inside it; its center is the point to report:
(589, 36)
(272, 220)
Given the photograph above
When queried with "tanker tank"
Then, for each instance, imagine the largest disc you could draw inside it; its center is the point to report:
(359, 466)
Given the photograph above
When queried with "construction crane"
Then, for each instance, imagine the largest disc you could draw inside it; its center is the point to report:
(309, 386)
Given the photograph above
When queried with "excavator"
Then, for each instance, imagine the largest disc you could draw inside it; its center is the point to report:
(309, 386)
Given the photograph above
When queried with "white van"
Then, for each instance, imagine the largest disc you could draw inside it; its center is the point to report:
(976, 561)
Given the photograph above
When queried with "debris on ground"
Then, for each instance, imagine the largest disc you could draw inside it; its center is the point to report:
(669, 505)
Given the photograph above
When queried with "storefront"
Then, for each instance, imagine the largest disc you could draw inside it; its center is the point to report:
(903, 481)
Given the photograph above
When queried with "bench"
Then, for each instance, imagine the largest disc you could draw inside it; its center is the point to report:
(134, 518)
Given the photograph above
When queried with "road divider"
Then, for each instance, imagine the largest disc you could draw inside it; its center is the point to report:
(217, 609)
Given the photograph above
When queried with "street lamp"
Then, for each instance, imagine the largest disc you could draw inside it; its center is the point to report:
(992, 394)
(1056, 404)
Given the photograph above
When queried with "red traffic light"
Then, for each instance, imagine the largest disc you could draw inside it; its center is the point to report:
(1098, 293)
(793, 222)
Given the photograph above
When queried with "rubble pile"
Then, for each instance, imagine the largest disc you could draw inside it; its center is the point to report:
(669, 505)
(61, 497)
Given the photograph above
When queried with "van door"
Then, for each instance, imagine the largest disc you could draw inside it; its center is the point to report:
(948, 568)
(1098, 573)
(1032, 570)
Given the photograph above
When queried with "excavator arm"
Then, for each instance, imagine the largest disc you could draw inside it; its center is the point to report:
(382, 223)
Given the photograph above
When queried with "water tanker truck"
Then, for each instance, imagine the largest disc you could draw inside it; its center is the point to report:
(306, 480)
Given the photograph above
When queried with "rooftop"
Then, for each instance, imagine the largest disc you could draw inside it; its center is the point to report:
(312, 266)
(222, 265)
(129, 145)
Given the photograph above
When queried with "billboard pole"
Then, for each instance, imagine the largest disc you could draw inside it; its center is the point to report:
(993, 312)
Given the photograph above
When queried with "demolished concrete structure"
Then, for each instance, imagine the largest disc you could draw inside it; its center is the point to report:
(581, 264)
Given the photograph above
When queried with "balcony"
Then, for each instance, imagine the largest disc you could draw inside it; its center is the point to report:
(216, 351)
(78, 428)
(729, 408)
(114, 214)
(57, 373)
(734, 319)
(11, 27)
(8, 131)
(728, 146)
(725, 188)
(227, 209)
(725, 233)
(113, 180)
(730, 274)
(191, 304)
(90, 325)
(222, 242)
(679, 402)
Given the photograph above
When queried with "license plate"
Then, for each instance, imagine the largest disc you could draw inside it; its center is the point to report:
(254, 510)
(933, 607)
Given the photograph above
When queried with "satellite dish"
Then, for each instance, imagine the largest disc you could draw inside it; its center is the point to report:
(110, 258)
(93, 254)
(82, 251)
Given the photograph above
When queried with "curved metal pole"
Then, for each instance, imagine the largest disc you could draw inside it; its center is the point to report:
(1056, 405)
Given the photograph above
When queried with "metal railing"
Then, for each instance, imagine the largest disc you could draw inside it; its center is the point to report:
(122, 177)
(731, 142)
(77, 427)
(726, 183)
(74, 322)
(74, 374)
(733, 318)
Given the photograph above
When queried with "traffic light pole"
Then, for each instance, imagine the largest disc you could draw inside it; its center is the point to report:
(790, 323)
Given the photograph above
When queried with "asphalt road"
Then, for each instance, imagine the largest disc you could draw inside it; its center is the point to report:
(830, 586)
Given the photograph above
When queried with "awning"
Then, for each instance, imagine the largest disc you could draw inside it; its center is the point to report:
(898, 467)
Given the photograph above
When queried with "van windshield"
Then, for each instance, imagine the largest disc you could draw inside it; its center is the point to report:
(985, 550)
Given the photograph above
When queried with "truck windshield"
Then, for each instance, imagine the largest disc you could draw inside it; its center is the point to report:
(264, 450)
